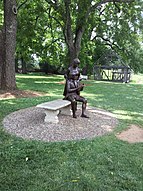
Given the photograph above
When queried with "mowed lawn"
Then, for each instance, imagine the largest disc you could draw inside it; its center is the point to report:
(101, 164)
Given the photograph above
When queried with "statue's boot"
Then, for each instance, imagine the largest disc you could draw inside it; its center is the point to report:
(83, 111)
(74, 108)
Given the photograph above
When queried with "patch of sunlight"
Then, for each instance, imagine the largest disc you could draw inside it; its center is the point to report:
(136, 90)
(47, 82)
(9, 102)
(38, 77)
(139, 118)
(92, 95)
(137, 79)
(133, 97)
(100, 111)
(21, 84)
(55, 95)
(105, 82)
(31, 77)
(43, 82)
(122, 114)
(136, 113)
(127, 112)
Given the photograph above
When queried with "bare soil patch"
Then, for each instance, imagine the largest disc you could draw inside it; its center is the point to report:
(19, 94)
(133, 135)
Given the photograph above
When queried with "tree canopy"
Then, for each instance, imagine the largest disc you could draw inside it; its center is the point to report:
(56, 31)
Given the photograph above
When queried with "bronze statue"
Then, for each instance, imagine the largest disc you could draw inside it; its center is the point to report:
(73, 69)
(73, 88)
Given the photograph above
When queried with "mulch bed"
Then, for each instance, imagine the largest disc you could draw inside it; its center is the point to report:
(11, 94)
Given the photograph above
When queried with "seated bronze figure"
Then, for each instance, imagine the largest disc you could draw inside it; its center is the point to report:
(73, 88)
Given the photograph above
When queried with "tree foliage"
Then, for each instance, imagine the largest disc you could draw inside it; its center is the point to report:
(41, 35)
(86, 28)
(56, 31)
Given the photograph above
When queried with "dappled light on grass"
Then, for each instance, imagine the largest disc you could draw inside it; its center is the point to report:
(132, 97)
(122, 114)
(38, 76)
(31, 77)
(48, 82)
(100, 111)
(55, 95)
(137, 79)
(10, 102)
(91, 96)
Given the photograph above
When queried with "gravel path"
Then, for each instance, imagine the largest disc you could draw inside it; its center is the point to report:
(29, 124)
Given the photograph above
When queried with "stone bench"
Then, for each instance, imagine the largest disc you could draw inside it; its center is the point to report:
(53, 108)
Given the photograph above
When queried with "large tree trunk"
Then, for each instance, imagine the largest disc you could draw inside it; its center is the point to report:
(73, 42)
(75, 46)
(8, 39)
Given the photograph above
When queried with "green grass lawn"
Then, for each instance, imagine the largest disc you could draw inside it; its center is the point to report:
(101, 164)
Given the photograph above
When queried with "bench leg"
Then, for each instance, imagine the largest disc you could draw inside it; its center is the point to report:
(51, 116)
(66, 110)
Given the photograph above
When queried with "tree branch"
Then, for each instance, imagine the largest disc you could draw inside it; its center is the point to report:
(68, 30)
(108, 42)
(116, 6)
(108, 1)
(53, 41)
(52, 4)
(50, 16)
(22, 4)
(36, 20)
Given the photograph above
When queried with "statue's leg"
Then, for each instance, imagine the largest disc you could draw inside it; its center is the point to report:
(73, 105)
(84, 109)
(74, 108)
(84, 103)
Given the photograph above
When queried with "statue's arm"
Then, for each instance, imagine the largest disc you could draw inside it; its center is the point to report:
(66, 75)
(72, 90)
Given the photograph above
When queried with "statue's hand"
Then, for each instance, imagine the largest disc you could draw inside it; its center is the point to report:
(81, 86)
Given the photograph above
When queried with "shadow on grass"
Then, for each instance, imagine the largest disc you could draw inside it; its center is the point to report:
(40, 83)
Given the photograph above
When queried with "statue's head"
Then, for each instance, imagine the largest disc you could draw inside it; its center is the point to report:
(76, 62)
(75, 76)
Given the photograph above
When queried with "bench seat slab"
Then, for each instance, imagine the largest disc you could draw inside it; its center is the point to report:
(55, 104)
(53, 108)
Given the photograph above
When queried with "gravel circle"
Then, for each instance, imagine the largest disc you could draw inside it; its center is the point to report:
(29, 124)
